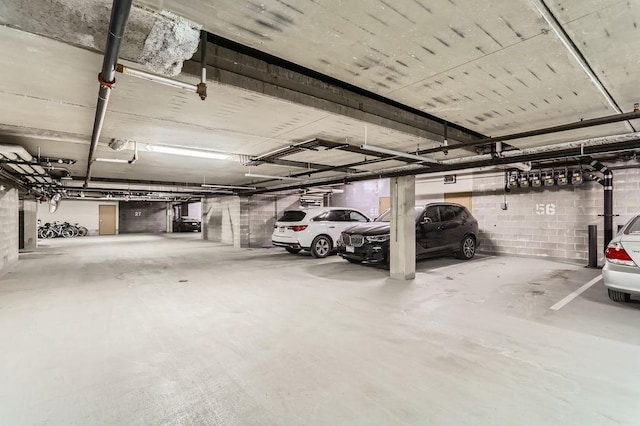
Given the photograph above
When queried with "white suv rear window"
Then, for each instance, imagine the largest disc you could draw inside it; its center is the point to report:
(292, 216)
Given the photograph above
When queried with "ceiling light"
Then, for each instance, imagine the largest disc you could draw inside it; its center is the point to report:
(206, 185)
(188, 152)
(271, 177)
(399, 154)
(111, 160)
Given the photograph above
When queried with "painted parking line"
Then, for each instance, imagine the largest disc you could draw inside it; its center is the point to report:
(461, 263)
(575, 294)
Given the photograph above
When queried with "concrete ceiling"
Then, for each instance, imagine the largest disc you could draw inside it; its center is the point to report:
(492, 68)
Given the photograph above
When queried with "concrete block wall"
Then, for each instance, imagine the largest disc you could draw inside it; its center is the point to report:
(142, 217)
(9, 235)
(221, 220)
(549, 222)
(243, 221)
(263, 211)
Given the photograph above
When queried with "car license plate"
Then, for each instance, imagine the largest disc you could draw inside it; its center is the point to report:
(350, 249)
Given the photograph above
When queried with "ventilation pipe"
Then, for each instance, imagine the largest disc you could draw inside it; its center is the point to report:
(607, 182)
(119, 15)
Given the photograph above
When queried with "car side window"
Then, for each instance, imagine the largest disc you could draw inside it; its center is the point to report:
(356, 217)
(431, 215)
(461, 213)
(321, 217)
(336, 216)
(447, 213)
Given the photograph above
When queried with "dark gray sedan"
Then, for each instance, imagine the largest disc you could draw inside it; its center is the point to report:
(621, 272)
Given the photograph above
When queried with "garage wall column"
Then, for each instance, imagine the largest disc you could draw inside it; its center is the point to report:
(9, 207)
(403, 228)
(169, 216)
(29, 213)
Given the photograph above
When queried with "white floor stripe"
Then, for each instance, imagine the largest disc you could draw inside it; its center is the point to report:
(575, 294)
(461, 263)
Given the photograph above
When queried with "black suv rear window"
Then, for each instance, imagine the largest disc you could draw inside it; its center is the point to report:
(292, 216)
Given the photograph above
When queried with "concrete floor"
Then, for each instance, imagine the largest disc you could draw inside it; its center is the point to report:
(142, 330)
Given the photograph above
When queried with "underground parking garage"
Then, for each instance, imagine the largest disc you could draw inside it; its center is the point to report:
(294, 213)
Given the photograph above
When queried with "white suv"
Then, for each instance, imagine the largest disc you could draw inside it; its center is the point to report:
(315, 230)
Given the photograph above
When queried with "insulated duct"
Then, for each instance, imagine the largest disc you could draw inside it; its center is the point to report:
(119, 15)
(607, 182)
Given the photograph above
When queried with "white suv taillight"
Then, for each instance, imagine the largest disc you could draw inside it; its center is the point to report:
(615, 253)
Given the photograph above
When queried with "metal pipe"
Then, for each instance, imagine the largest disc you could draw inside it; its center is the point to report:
(570, 149)
(119, 15)
(571, 47)
(156, 78)
(607, 182)
(547, 130)
(202, 87)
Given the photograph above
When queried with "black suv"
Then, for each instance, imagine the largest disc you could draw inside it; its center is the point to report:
(441, 229)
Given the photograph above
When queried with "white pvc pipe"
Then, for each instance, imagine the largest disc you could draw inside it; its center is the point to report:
(156, 78)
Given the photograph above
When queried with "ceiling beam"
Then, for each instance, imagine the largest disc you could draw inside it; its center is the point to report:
(236, 65)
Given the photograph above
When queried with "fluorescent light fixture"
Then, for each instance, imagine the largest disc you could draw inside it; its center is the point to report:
(206, 185)
(568, 44)
(399, 154)
(271, 177)
(111, 160)
(188, 152)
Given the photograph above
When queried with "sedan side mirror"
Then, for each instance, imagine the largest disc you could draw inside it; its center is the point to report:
(426, 220)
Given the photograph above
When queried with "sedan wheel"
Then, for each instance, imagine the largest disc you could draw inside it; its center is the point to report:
(467, 248)
(321, 246)
(618, 296)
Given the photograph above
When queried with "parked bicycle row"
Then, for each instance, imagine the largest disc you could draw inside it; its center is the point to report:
(61, 229)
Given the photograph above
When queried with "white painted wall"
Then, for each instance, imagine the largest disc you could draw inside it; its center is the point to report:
(83, 212)
(431, 188)
(195, 210)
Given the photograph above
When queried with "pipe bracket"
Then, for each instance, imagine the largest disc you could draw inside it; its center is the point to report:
(202, 90)
(107, 84)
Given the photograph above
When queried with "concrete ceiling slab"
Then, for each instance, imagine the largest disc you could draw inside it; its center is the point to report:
(494, 68)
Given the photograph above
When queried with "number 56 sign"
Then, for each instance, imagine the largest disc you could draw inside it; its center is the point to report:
(545, 209)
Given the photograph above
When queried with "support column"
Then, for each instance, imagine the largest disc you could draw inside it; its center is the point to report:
(29, 216)
(169, 215)
(402, 249)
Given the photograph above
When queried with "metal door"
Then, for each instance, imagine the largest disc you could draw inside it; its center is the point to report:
(107, 219)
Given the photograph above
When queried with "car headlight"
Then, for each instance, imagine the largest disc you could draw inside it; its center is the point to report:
(377, 238)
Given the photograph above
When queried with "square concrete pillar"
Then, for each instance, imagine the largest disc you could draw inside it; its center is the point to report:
(29, 223)
(402, 246)
(169, 216)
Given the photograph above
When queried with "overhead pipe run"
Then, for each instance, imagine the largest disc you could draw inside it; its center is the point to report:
(119, 15)
(579, 148)
(607, 183)
(545, 131)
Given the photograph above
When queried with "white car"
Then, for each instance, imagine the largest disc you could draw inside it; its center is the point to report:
(316, 229)
(621, 272)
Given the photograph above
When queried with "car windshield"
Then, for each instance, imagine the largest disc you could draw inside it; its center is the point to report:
(634, 227)
(386, 216)
(292, 216)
